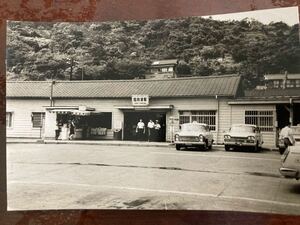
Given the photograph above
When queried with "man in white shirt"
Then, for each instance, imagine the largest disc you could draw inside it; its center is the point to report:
(287, 134)
(140, 130)
(150, 130)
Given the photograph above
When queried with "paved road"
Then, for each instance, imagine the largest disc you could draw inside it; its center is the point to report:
(118, 177)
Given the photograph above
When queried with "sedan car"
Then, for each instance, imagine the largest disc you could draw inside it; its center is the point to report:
(194, 135)
(290, 160)
(243, 135)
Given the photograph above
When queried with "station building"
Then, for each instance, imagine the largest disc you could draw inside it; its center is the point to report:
(108, 107)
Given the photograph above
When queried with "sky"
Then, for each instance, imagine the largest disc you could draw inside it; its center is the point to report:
(288, 15)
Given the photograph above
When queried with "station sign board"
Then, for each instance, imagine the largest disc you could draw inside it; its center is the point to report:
(140, 100)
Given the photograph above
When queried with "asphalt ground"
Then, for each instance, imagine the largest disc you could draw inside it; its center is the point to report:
(55, 176)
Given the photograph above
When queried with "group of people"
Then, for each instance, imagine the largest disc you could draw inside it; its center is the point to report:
(153, 130)
(65, 131)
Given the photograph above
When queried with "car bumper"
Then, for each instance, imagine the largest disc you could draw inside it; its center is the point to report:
(239, 144)
(289, 173)
(194, 143)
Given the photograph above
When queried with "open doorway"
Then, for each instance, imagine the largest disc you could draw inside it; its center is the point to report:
(283, 114)
(132, 118)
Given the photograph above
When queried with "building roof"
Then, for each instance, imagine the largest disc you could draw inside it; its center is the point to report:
(282, 76)
(273, 93)
(179, 87)
(164, 62)
(268, 96)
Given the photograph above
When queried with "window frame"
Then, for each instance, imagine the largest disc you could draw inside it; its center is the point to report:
(264, 119)
(42, 118)
(204, 116)
(11, 120)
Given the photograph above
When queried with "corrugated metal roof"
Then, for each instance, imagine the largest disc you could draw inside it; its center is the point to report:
(180, 87)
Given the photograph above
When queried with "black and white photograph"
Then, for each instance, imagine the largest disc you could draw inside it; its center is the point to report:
(193, 113)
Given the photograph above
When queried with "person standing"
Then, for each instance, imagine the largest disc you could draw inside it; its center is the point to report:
(151, 133)
(140, 130)
(157, 128)
(72, 129)
(287, 134)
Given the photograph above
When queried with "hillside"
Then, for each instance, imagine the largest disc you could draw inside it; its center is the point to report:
(124, 50)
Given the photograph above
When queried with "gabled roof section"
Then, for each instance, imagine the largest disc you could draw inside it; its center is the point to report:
(180, 87)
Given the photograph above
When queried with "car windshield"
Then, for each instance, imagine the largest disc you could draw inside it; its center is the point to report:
(192, 127)
(247, 129)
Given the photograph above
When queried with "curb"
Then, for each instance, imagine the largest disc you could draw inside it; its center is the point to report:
(108, 144)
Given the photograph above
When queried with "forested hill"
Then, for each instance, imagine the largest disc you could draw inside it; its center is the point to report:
(124, 50)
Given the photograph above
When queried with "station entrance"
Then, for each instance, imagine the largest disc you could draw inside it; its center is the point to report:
(132, 118)
(287, 113)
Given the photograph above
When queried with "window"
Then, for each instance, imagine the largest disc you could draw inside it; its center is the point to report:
(164, 70)
(290, 83)
(263, 119)
(9, 119)
(37, 119)
(277, 83)
(204, 116)
(297, 83)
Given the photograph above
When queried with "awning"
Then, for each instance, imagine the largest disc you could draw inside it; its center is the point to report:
(146, 108)
(62, 111)
(85, 113)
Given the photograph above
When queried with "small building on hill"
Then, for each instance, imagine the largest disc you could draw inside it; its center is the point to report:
(162, 69)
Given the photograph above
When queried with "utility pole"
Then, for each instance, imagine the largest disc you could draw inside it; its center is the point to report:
(71, 69)
(299, 22)
(82, 73)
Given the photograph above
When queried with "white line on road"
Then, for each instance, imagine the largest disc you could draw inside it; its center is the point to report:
(163, 191)
(214, 156)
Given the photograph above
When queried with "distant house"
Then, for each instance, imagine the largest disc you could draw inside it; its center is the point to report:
(162, 69)
(282, 80)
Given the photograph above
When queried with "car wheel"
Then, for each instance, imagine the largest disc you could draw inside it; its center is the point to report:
(227, 148)
(281, 150)
(178, 147)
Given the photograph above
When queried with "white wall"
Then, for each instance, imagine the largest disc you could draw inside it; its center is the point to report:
(21, 117)
(226, 114)
(238, 116)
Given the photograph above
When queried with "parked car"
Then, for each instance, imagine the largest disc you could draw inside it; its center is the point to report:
(280, 143)
(194, 135)
(290, 160)
(243, 135)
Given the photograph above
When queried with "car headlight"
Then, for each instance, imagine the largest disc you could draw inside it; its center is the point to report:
(227, 136)
(177, 137)
(201, 138)
(252, 138)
